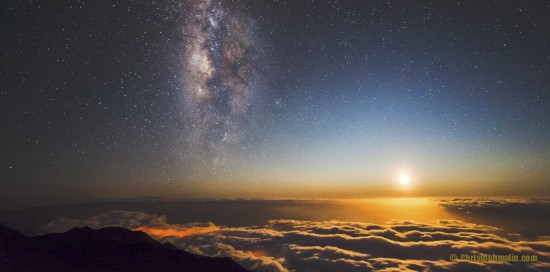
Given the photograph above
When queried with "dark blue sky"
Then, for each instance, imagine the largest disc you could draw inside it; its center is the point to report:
(100, 99)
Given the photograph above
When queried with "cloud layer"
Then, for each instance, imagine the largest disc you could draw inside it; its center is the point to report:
(526, 217)
(296, 245)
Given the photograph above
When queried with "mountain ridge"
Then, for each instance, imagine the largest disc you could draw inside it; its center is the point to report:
(106, 249)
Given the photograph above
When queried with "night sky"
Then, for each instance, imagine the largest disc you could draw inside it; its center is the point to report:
(207, 99)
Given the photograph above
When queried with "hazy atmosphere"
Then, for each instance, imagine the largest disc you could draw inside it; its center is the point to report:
(287, 135)
(210, 99)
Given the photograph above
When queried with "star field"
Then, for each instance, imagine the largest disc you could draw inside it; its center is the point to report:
(123, 99)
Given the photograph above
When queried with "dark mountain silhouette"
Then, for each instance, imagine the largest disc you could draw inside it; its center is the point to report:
(107, 249)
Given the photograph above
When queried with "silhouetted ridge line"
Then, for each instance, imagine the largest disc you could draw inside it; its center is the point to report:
(107, 249)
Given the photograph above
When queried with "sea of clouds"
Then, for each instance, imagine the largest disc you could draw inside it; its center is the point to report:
(300, 245)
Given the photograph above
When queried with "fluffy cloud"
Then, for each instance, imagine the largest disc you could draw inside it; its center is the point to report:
(481, 202)
(350, 246)
(296, 245)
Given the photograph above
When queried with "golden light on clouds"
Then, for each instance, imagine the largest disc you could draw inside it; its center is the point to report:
(176, 232)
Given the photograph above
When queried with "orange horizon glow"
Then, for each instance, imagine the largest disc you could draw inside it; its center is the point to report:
(176, 232)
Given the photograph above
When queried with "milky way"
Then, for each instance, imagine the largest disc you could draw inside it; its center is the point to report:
(272, 98)
(220, 79)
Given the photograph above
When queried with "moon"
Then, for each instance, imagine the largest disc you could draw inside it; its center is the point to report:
(404, 181)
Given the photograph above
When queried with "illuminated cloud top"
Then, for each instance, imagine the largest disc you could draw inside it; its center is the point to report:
(298, 245)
